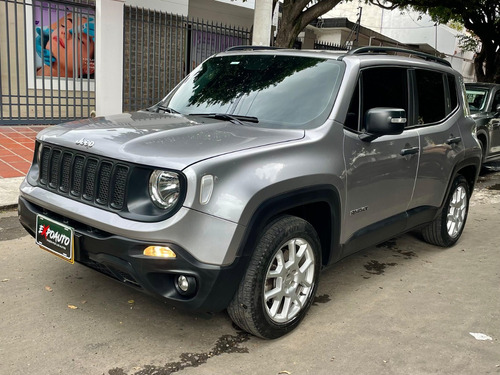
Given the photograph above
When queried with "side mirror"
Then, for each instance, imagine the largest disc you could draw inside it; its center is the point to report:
(383, 121)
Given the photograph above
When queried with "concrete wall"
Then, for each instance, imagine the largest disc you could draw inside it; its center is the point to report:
(179, 7)
(221, 12)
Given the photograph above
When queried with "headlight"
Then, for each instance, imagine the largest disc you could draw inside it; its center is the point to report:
(164, 189)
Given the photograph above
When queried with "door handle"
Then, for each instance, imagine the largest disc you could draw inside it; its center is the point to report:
(454, 140)
(410, 151)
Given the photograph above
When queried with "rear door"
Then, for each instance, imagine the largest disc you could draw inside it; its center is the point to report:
(436, 118)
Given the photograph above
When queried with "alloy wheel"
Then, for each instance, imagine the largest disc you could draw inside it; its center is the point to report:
(289, 280)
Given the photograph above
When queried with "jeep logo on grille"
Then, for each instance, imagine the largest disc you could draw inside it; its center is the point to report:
(85, 143)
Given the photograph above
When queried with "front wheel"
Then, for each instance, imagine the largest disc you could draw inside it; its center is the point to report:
(281, 280)
(448, 226)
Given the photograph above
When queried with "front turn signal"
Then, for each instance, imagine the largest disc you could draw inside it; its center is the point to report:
(160, 252)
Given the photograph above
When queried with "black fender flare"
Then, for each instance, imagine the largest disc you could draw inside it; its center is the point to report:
(472, 164)
(287, 203)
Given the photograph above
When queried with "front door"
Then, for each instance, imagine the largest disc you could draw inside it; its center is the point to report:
(380, 174)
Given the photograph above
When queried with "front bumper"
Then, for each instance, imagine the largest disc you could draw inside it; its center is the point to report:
(122, 259)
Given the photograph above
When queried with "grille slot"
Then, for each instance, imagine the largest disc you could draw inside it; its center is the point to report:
(90, 179)
(76, 183)
(119, 187)
(65, 172)
(54, 168)
(44, 169)
(95, 180)
(104, 183)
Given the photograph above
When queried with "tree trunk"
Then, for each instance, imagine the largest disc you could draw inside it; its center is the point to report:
(296, 17)
(288, 32)
(487, 64)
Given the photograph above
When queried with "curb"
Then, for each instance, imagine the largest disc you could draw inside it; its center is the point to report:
(8, 207)
(9, 192)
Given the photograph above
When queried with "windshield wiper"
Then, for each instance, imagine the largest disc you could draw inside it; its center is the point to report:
(165, 109)
(237, 119)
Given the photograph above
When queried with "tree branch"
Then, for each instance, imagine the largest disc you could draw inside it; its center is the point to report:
(382, 4)
(317, 10)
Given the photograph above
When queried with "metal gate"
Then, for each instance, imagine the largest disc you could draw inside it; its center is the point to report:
(160, 49)
(46, 61)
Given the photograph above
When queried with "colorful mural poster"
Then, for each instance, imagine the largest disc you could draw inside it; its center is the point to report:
(64, 40)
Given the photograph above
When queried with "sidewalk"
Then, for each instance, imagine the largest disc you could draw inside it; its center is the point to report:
(16, 154)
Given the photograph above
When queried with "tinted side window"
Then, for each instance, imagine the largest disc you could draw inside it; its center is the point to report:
(496, 101)
(384, 87)
(431, 96)
(352, 118)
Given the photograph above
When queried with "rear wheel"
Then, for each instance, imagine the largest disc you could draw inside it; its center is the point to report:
(281, 280)
(447, 228)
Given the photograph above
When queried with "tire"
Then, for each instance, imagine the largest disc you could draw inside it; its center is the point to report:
(448, 226)
(281, 280)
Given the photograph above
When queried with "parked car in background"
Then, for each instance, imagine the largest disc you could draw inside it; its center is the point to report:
(484, 103)
(255, 172)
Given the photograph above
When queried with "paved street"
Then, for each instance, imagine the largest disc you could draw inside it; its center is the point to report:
(403, 307)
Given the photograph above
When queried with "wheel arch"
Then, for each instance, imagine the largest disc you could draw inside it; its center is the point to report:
(319, 205)
(482, 136)
(470, 172)
(469, 169)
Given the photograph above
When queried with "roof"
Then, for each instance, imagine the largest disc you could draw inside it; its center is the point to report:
(362, 52)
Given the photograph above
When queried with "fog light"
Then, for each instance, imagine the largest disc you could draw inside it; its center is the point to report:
(159, 251)
(183, 283)
(186, 285)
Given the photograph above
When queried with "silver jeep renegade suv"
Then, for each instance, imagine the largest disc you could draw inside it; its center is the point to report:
(257, 170)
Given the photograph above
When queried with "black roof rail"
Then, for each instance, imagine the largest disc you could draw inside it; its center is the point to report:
(382, 49)
(250, 48)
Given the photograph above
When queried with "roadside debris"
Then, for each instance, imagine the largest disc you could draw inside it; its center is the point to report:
(480, 336)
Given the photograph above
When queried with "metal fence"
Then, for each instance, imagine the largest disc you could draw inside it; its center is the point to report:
(46, 61)
(330, 46)
(160, 49)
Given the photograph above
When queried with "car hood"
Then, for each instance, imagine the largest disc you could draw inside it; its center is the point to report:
(162, 140)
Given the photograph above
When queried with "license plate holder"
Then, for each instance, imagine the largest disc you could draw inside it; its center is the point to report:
(55, 237)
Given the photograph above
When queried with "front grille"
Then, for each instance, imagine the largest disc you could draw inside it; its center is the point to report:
(94, 180)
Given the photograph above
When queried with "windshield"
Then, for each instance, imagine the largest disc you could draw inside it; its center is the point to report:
(476, 98)
(280, 91)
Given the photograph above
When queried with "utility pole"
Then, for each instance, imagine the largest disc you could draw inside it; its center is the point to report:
(358, 25)
(262, 22)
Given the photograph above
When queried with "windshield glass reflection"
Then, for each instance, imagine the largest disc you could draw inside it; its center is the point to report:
(281, 91)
